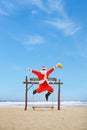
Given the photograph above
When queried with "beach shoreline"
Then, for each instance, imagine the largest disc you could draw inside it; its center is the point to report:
(63, 104)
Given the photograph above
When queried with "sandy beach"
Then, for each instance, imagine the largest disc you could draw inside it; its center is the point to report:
(43, 119)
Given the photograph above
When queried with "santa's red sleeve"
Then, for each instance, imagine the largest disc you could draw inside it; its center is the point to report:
(35, 72)
(50, 70)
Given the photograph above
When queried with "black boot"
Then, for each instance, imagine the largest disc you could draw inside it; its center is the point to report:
(34, 92)
(47, 95)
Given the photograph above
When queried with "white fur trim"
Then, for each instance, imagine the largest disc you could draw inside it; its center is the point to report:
(43, 80)
(54, 67)
(31, 70)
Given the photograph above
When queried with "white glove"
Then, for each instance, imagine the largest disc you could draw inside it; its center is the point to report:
(56, 66)
(29, 69)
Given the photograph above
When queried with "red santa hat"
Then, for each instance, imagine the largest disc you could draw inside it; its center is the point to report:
(44, 68)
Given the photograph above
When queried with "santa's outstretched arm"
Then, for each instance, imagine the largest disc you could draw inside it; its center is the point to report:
(34, 71)
(52, 69)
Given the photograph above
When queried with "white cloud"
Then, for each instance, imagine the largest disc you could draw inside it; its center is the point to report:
(6, 7)
(56, 5)
(2, 12)
(34, 40)
(34, 11)
(63, 22)
(27, 39)
(15, 67)
(49, 6)
(67, 26)
(37, 3)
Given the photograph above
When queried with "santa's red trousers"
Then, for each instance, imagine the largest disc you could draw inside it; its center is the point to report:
(44, 87)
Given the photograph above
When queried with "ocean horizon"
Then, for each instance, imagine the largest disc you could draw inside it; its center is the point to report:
(63, 104)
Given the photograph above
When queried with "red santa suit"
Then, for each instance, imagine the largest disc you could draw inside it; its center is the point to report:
(43, 80)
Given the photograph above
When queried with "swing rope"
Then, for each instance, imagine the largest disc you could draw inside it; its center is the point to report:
(30, 86)
(53, 97)
(33, 94)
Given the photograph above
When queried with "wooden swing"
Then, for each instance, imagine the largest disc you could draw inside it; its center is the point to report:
(33, 81)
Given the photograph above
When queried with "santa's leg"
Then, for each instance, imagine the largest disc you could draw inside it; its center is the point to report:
(34, 92)
(47, 95)
(50, 90)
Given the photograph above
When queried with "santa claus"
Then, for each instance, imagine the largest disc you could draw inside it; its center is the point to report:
(43, 75)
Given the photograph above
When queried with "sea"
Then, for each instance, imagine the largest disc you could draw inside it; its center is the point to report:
(63, 104)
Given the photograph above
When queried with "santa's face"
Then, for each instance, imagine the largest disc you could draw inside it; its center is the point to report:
(43, 71)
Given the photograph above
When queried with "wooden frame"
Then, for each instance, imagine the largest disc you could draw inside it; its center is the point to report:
(35, 81)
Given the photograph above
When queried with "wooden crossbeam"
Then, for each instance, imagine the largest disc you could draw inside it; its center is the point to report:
(49, 79)
(38, 82)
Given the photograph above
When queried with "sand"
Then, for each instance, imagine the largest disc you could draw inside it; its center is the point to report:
(43, 119)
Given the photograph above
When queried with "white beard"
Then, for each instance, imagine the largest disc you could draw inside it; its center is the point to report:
(43, 71)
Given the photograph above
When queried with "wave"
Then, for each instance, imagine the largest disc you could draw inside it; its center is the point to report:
(63, 104)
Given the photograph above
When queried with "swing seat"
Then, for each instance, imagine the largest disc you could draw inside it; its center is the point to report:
(52, 107)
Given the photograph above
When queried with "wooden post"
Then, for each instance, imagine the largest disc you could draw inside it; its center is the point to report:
(59, 95)
(26, 93)
(59, 83)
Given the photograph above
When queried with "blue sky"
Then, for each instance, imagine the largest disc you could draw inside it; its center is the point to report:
(34, 33)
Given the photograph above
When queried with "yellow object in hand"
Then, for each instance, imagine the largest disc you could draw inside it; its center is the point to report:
(59, 65)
